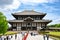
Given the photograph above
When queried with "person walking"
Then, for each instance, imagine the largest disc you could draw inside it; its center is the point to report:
(47, 36)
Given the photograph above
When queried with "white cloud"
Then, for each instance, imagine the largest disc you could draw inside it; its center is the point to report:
(38, 1)
(55, 18)
(14, 5)
(33, 1)
(55, 21)
(50, 8)
(5, 2)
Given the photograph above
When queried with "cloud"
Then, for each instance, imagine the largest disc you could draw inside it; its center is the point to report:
(51, 16)
(14, 4)
(49, 9)
(11, 4)
(56, 21)
(34, 2)
(5, 2)
(38, 1)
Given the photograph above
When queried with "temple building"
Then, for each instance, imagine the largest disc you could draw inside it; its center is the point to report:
(28, 20)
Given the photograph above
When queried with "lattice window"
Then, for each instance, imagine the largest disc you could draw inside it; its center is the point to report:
(14, 25)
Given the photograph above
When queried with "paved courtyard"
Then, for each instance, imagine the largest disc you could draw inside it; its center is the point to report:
(20, 36)
(36, 37)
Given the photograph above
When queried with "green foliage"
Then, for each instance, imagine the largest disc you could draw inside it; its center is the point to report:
(3, 24)
(9, 33)
(55, 33)
(54, 25)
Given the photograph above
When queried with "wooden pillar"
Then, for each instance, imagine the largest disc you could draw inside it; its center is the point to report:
(41, 25)
(21, 24)
(12, 26)
(26, 25)
(31, 26)
(16, 26)
(45, 25)
(36, 25)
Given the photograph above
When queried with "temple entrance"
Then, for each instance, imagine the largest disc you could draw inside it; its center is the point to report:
(28, 28)
(23, 28)
(34, 28)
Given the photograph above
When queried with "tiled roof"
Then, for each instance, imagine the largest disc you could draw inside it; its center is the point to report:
(28, 18)
(33, 21)
(29, 12)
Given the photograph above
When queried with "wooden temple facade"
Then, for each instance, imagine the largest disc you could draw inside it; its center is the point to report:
(28, 20)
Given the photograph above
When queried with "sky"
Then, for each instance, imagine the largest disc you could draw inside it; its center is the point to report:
(51, 7)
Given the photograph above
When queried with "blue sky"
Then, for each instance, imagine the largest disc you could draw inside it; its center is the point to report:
(51, 7)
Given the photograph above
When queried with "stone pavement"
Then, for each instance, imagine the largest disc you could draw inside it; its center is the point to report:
(20, 36)
(36, 37)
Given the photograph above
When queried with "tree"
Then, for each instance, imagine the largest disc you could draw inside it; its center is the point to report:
(3, 24)
(54, 25)
(57, 25)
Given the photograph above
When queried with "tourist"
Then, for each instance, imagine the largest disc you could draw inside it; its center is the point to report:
(31, 33)
(44, 36)
(47, 36)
